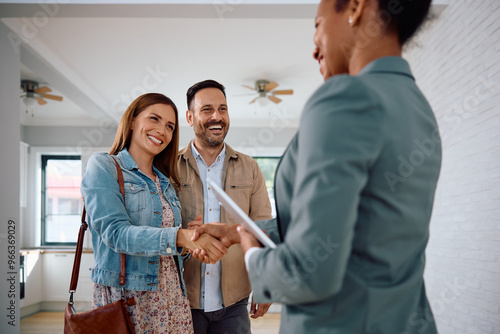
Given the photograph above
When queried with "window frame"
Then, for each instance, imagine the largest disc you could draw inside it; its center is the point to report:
(278, 158)
(44, 158)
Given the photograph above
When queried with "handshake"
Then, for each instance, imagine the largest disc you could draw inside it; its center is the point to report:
(209, 242)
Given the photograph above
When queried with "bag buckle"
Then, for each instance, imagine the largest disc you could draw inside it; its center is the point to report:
(71, 292)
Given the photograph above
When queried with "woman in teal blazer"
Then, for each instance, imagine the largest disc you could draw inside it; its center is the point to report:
(355, 188)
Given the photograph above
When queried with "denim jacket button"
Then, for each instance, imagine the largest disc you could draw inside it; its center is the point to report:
(169, 250)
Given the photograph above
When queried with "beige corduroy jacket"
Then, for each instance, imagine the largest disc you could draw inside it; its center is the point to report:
(243, 181)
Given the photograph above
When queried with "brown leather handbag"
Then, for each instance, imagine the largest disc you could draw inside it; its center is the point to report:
(111, 318)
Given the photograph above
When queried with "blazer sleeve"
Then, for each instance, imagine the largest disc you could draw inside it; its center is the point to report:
(108, 216)
(339, 137)
(270, 227)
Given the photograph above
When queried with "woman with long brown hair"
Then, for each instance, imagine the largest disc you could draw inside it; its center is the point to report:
(147, 226)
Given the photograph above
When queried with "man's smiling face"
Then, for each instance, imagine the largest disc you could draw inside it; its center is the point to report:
(209, 116)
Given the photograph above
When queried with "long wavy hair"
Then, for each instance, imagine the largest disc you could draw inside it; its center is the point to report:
(166, 160)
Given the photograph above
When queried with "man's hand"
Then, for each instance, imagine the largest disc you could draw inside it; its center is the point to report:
(247, 240)
(210, 249)
(195, 223)
(227, 234)
(258, 310)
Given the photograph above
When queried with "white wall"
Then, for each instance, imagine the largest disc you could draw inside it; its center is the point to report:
(457, 65)
(274, 133)
(9, 183)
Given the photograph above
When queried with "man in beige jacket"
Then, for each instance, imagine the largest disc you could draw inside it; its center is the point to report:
(218, 293)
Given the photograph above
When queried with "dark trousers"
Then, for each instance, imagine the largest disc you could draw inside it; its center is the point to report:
(229, 320)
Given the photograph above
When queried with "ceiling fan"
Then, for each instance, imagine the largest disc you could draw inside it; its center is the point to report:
(31, 93)
(266, 90)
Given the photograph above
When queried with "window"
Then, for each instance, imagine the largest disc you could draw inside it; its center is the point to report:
(268, 167)
(61, 199)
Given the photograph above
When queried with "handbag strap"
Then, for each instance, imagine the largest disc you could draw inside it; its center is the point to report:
(79, 245)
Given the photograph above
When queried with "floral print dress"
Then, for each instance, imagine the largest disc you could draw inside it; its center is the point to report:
(165, 310)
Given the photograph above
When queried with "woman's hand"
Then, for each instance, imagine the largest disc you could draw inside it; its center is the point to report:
(195, 223)
(227, 234)
(210, 250)
(247, 240)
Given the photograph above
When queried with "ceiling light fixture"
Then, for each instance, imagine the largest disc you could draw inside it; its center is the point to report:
(263, 101)
(29, 101)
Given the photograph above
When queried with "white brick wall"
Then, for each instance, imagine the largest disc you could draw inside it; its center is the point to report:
(456, 62)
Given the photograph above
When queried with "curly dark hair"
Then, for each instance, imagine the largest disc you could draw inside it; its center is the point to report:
(402, 16)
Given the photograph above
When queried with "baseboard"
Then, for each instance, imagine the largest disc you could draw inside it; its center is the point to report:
(30, 310)
(85, 306)
(60, 306)
(53, 307)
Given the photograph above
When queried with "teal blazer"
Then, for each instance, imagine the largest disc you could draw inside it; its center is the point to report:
(354, 194)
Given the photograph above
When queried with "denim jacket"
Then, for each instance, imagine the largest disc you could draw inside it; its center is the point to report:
(134, 229)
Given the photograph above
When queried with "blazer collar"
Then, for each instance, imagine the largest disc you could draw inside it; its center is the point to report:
(393, 64)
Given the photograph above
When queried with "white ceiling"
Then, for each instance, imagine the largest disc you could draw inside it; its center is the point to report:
(100, 56)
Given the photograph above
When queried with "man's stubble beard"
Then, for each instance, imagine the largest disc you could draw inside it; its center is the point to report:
(202, 133)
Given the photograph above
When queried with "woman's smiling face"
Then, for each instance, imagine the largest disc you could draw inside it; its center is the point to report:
(333, 39)
(152, 129)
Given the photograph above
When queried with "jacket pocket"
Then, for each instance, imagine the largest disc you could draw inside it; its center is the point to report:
(135, 196)
(241, 192)
(190, 197)
(239, 184)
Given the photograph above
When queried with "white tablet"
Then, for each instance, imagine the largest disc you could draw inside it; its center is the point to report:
(235, 211)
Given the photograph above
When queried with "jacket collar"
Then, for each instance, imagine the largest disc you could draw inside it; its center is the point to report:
(127, 162)
(187, 153)
(126, 159)
(393, 64)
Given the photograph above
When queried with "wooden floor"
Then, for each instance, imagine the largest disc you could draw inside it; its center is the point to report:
(53, 322)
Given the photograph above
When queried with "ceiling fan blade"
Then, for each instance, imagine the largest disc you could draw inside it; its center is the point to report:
(52, 97)
(41, 101)
(43, 90)
(249, 87)
(270, 86)
(274, 99)
(283, 92)
(254, 100)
